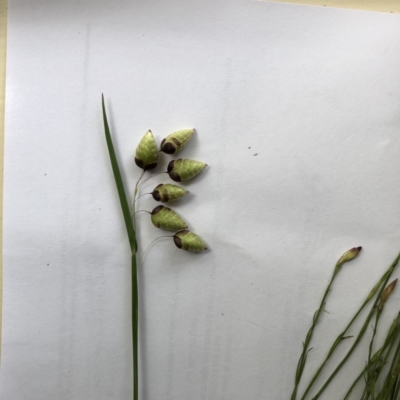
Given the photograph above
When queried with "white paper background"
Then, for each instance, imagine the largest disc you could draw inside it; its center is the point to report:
(314, 92)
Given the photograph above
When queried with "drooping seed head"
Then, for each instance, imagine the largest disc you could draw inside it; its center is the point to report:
(386, 293)
(184, 169)
(168, 192)
(176, 141)
(167, 219)
(189, 241)
(146, 152)
(348, 256)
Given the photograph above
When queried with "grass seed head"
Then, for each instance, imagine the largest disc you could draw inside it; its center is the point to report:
(386, 293)
(175, 142)
(167, 219)
(168, 192)
(189, 241)
(184, 169)
(146, 152)
(348, 256)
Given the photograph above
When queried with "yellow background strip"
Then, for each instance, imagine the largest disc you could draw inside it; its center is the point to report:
(391, 6)
(3, 42)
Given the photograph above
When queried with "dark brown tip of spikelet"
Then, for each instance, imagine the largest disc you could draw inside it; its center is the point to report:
(139, 163)
(156, 195)
(175, 177)
(177, 241)
(171, 166)
(172, 174)
(168, 148)
(150, 166)
(157, 210)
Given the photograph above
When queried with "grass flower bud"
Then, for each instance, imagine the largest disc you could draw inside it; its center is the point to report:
(167, 192)
(348, 256)
(146, 152)
(183, 169)
(175, 142)
(164, 218)
(188, 241)
(385, 294)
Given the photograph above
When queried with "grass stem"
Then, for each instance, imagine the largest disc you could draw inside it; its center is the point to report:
(386, 277)
(304, 354)
(135, 327)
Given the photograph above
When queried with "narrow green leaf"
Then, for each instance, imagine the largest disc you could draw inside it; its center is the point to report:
(120, 184)
(133, 244)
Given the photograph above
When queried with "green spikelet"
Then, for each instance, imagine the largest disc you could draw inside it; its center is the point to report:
(183, 169)
(188, 241)
(146, 152)
(164, 218)
(385, 294)
(176, 141)
(167, 192)
(348, 256)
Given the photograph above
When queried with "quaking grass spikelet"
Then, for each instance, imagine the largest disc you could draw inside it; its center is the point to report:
(385, 294)
(175, 142)
(348, 256)
(167, 219)
(146, 152)
(189, 241)
(183, 169)
(167, 192)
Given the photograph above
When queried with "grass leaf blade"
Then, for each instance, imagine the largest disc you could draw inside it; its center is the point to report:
(118, 181)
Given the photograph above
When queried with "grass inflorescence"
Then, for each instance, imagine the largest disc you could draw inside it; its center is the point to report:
(147, 158)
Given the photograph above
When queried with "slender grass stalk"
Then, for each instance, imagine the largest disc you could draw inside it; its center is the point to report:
(371, 372)
(139, 211)
(303, 356)
(397, 390)
(346, 257)
(385, 392)
(133, 246)
(135, 196)
(393, 379)
(375, 364)
(363, 329)
(341, 336)
(390, 341)
(150, 177)
(135, 327)
(362, 373)
(359, 337)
